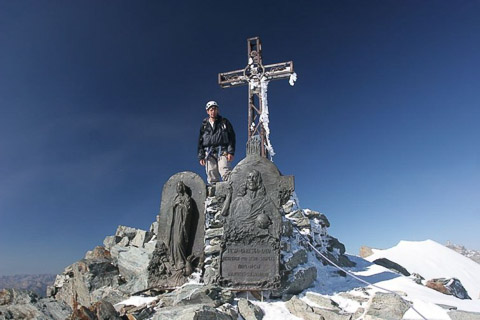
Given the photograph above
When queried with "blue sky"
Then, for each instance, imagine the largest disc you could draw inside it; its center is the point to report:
(101, 102)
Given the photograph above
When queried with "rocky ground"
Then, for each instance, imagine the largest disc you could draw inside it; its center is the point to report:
(111, 282)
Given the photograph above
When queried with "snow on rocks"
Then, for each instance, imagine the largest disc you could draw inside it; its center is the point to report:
(432, 260)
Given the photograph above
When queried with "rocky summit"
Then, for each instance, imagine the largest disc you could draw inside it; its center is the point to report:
(233, 250)
(206, 256)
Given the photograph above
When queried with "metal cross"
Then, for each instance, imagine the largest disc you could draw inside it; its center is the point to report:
(252, 75)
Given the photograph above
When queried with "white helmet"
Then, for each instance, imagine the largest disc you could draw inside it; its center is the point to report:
(211, 104)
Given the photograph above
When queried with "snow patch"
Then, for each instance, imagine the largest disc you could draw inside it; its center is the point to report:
(137, 301)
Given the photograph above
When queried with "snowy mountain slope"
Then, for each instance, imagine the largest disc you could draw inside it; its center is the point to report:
(433, 260)
(425, 257)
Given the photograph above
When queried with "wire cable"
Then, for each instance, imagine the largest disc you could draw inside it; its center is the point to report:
(354, 276)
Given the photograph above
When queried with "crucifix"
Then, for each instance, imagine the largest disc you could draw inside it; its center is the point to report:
(256, 75)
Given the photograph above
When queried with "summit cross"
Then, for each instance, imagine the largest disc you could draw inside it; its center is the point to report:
(255, 74)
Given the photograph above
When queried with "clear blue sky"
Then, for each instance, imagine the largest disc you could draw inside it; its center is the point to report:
(101, 102)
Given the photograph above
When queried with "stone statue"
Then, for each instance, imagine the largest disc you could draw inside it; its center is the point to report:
(180, 247)
(179, 235)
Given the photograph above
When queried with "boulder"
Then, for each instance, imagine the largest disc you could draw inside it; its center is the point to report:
(249, 311)
(450, 286)
(124, 231)
(384, 262)
(301, 280)
(132, 264)
(295, 259)
(22, 304)
(15, 296)
(386, 306)
(335, 245)
(110, 241)
(139, 239)
(321, 301)
(191, 312)
(104, 310)
(463, 315)
(98, 253)
(83, 278)
(190, 294)
(365, 251)
(53, 309)
(301, 309)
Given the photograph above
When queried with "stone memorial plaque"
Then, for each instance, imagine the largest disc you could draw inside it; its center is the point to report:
(249, 266)
(250, 255)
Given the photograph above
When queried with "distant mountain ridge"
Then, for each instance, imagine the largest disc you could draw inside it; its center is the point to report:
(469, 253)
(34, 282)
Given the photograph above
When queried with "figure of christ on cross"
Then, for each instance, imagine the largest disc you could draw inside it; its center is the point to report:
(256, 75)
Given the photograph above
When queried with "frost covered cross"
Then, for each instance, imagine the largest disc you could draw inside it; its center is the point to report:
(257, 76)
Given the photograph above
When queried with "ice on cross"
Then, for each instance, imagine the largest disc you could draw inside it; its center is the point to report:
(257, 76)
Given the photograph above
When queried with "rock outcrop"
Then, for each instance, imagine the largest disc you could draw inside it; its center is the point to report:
(21, 304)
(384, 262)
(386, 306)
(111, 272)
(450, 286)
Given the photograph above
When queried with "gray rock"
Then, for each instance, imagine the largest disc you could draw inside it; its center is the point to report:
(446, 306)
(297, 258)
(321, 301)
(302, 279)
(287, 228)
(333, 244)
(133, 264)
(386, 306)
(301, 309)
(328, 314)
(110, 241)
(139, 239)
(287, 207)
(21, 304)
(311, 213)
(104, 310)
(191, 312)
(384, 262)
(209, 250)
(359, 299)
(450, 286)
(154, 228)
(249, 311)
(229, 310)
(190, 294)
(124, 231)
(323, 221)
(109, 294)
(15, 296)
(299, 219)
(213, 233)
(463, 315)
(124, 242)
(84, 277)
(52, 309)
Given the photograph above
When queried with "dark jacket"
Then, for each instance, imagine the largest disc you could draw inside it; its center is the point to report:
(221, 136)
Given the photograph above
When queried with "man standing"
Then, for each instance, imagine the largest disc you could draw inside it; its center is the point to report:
(216, 144)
